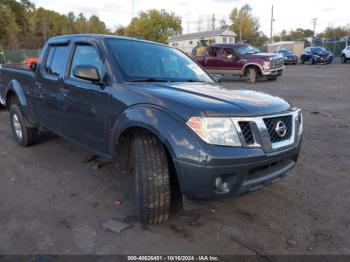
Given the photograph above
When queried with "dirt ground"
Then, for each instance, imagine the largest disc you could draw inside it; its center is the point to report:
(54, 201)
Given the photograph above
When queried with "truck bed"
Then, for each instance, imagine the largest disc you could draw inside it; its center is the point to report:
(18, 76)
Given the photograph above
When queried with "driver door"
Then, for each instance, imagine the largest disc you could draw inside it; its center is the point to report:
(86, 103)
(230, 60)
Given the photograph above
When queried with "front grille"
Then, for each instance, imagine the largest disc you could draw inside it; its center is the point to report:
(271, 124)
(277, 62)
(247, 132)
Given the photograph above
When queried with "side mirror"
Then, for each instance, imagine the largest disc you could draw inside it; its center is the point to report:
(33, 66)
(87, 72)
(233, 57)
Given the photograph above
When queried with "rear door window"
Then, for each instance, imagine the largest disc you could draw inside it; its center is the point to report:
(213, 51)
(56, 60)
(49, 58)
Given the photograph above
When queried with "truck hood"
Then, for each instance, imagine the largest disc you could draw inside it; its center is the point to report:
(322, 53)
(265, 56)
(212, 99)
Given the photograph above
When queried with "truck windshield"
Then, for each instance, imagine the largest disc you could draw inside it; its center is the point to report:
(318, 49)
(147, 62)
(248, 50)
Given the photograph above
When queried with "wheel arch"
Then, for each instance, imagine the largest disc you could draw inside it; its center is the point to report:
(254, 65)
(179, 142)
(14, 89)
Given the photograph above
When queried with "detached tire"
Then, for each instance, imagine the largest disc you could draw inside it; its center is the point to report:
(24, 135)
(151, 176)
(251, 75)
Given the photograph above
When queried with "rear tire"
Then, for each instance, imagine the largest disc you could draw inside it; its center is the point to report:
(24, 135)
(343, 59)
(251, 75)
(151, 179)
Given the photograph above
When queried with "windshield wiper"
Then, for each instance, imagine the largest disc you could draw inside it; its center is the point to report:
(193, 80)
(149, 80)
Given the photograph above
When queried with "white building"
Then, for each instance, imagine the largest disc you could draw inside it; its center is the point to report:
(187, 42)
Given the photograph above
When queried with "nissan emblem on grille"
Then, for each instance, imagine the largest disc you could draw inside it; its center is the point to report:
(281, 128)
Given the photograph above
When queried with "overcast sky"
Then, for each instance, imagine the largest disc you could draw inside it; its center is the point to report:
(289, 14)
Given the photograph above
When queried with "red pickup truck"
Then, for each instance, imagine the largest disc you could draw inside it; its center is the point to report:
(241, 60)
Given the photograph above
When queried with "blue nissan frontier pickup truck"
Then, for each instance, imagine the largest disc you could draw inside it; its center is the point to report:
(154, 111)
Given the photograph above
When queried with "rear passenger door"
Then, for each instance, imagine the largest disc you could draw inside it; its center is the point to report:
(212, 61)
(48, 87)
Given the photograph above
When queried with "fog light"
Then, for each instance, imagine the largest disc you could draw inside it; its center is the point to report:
(221, 187)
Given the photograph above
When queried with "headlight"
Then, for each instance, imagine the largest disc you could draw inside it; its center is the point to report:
(300, 121)
(266, 65)
(215, 130)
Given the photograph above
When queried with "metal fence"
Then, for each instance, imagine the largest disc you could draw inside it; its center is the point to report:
(335, 45)
(17, 56)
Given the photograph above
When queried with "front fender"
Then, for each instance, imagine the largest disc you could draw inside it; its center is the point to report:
(251, 64)
(180, 141)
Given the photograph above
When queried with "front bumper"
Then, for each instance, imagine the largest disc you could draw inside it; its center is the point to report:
(323, 60)
(273, 71)
(290, 60)
(197, 182)
(262, 159)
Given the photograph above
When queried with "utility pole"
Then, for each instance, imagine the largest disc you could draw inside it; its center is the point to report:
(241, 30)
(272, 20)
(314, 22)
(213, 22)
(45, 29)
(132, 9)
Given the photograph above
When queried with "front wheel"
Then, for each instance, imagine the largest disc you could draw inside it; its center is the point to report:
(24, 135)
(151, 179)
(251, 75)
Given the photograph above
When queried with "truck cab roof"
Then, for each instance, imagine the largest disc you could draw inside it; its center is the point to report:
(68, 38)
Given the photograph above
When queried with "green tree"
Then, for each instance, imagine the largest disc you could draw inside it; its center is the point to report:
(243, 21)
(8, 28)
(120, 30)
(81, 24)
(96, 26)
(154, 25)
(331, 32)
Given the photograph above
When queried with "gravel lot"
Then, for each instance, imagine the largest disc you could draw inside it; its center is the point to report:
(53, 200)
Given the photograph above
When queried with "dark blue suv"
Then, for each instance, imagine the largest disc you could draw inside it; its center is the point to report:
(316, 55)
(289, 56)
